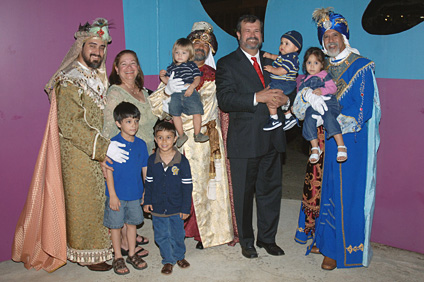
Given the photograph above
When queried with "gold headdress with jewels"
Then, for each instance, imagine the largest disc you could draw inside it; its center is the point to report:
(203, 31)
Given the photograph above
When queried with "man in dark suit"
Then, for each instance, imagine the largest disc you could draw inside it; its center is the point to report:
(255, 154)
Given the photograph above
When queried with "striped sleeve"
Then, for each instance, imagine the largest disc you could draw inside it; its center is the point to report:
(186, 181)
(187, 185)
(196, 71)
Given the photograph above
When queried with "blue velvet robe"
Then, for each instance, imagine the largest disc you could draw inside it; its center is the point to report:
(343, 227)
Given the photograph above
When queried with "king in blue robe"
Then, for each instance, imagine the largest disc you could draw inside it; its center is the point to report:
(343, 227)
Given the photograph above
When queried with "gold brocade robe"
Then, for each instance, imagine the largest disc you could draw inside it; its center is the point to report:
(210, 193)
(80, 102)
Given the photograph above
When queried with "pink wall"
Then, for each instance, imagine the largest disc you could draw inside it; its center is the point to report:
(151, 82)
(399, 208)
(36, 35)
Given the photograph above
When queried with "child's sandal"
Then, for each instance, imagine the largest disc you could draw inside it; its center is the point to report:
(314, 158)
(341, 156)
(119, 264)
(135, 261)
(143, 241)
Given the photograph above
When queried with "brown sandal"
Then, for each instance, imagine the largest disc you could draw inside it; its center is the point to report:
(119, 264)
(135, 261)
(144, 240)
(138, 253)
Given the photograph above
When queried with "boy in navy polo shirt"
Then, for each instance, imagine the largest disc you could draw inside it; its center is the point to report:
(168, 197)
(283, 72)
(125, 188)
(188, 101)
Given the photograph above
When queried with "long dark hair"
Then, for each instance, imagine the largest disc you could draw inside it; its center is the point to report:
(114, 77)
(317, 52)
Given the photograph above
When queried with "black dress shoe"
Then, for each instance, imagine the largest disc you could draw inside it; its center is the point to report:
(199, 245)
(270, 248)
(249, 252)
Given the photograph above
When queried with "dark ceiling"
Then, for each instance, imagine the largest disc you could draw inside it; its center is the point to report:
(380, 17)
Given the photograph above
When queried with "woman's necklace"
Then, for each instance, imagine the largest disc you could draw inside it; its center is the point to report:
(134, 91)
(131, 89)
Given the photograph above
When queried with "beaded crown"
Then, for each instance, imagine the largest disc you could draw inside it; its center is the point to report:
(99, 28)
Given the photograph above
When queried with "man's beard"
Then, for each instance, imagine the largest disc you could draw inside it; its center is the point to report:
(92, 64)
(334, 51)
(247, 46)
(199, 57)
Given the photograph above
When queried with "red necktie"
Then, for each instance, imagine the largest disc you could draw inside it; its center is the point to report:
(258, 70)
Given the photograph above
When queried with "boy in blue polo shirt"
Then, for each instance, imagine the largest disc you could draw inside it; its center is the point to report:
(124, 191)
(168, 197)
(283, 72)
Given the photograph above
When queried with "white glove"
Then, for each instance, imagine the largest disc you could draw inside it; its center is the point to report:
(316, 101)
(174, 85)
(319, 120)
(117, 154)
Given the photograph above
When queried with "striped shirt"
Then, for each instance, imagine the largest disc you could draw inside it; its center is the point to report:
(290, 62)
(186, 71)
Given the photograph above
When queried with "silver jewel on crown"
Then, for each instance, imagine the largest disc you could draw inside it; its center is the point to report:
(327, 24)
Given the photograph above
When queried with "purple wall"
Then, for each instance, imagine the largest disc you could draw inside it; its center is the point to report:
(399, 208)
(151, 82)
(36, 35)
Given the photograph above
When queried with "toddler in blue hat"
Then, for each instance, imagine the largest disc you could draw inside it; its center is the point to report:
(283, 72)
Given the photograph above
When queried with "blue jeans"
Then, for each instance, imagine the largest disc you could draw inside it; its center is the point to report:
(169, 235)
(329, 117)
(287, 86)
(188, 105)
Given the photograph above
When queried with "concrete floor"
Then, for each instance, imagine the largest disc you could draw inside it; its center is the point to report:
(225, 263)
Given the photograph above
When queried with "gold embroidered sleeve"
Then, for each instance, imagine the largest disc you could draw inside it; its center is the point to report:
(156, 101)
(80, 121)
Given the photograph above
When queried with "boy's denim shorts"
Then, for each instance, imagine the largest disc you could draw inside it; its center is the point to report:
(130, 212)
(188, 105)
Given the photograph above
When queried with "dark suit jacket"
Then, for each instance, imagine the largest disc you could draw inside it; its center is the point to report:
(237, 82)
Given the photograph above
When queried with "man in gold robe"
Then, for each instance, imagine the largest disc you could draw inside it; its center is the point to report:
(77, 94)
(210, 222)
